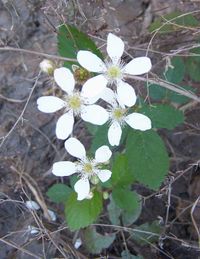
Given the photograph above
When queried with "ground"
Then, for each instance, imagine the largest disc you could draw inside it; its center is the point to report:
(29, 145)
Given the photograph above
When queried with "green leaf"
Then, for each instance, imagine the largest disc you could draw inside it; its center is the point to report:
(193, 65)
(160, 24)
(96, 242)
(147, 157)
(127, 255)
(71, 40)
(152, 234)
(176, 70)
(126, 199)
(158, 92)
(80, 214)
(121, 174)
(163, 116)
(114, 212)
(59, 192)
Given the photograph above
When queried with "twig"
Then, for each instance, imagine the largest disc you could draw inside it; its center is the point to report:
(167, 85)
(23, 111)
(11, 100)
(193, 220)
(37, 53)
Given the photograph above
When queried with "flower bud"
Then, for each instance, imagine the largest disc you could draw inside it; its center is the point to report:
(105, 195)
(90, 196)
(47, 66)
(94, 180)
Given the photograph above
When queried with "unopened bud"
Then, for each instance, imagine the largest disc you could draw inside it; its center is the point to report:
(47, 66)
(94, 180)
(105, 195)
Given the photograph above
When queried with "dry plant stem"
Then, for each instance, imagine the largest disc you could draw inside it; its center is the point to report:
(37, 194)
(19, 248)
(11, 100)
(193, 220)
(165, 84)
(22, 113)
(37, 53)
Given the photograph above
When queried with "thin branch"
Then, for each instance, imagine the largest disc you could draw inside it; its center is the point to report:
(22, 113)
(37, 53)
(165, 84)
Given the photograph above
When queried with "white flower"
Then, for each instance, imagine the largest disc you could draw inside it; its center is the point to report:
(112, 71)
(52, 215)
(86, 167)
(119, 117)
(74, 103)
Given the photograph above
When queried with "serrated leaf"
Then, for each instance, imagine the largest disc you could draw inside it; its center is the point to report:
(126, 199)
(152, 230)
(96, 242)
(193, 65)
(147, 157)
(80, 214)
(71, 40)
(176, 70)
(163, 116)
(121, 175)
(114, 212)
(158, 92)
(163, 26)
(59, 192)
(127, 255)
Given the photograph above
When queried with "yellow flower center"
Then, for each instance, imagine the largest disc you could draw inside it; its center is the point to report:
(88, 168)
(114, 72)
(75, 102)
(118, 113)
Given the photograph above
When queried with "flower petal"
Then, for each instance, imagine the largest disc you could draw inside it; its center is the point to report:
(115, 47)
(108, 96)
(94, 114)
(104, 175)
(90, 61)
(138, 66)
(126, 94)
(64, 125)
(82, 187)
(94, 86)
(114, 134)
(65, 79)
(32, 205)
(75, 148)
(138, 121)
(49, 104)
(64, 168)
(103, 154)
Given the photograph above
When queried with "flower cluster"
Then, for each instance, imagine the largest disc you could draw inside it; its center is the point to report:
(109, 84)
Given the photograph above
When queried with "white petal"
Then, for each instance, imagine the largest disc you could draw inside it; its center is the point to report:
(32, 205)
(104, 175)
(49, 104)
(94, 86)
(108, 96)
(90, 61)
(75, 148)
(126, 94)
(64, 168)
(94, 114)
(138, 121)
(82, 187)
(103, 154)
(52, 215)
(65, 79)
(114, 134)
(115, 47)
(138, 66)
(64, 125)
